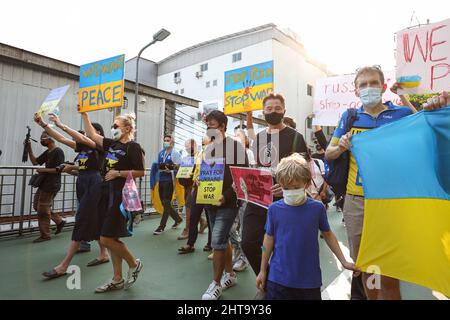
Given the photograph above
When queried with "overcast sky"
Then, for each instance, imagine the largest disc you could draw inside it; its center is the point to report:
(342, 34)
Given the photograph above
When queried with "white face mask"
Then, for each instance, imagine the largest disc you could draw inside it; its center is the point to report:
(116, 134)
(294, 197)
(370, 97)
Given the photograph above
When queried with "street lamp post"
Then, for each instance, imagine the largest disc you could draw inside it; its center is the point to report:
(159, 36)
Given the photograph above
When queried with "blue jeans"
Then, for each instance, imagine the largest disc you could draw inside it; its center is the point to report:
(221, 221)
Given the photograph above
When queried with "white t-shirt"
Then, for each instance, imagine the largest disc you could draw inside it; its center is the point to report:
(317, 173)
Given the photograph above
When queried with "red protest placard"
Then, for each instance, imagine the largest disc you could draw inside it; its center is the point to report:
(253, 185)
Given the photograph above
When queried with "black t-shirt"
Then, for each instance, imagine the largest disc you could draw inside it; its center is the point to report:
(88, 159)
(120, 156)
(52, 159)
(269, 149)
(234, 155)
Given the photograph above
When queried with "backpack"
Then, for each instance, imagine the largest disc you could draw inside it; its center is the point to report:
(337, 174)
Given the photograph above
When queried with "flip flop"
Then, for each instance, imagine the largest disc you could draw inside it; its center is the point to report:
(184, 250)
(52, 274)
(97, 262)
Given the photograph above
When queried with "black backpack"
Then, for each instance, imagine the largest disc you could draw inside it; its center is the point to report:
(337, 174)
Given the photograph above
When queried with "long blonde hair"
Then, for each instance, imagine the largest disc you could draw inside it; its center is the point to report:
(128, 120)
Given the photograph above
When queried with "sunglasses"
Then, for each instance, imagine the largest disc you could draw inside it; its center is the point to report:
(114, 126)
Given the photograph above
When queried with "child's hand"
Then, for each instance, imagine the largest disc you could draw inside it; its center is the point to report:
(352, 267)
(261, 280)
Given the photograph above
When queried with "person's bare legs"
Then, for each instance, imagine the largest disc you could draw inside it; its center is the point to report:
(117, 266)
(390, 289)
(118, 248)
(222, 260)
(73, 248)
(103, 252)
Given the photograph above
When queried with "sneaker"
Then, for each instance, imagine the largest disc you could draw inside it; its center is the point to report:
(40, 239)
(111, 286)
(133, 274)
(176, 224)
(158, 231)
(228, 280)
(240, 265)
(211, 256)
(213, 293)
(59, 227)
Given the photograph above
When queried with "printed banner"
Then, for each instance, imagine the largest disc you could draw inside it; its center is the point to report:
(101, 84)
(211, 181)
(423, 58)
(51, 102)
(253, 185)
(245, 88)
(186, 168)
(334, 95)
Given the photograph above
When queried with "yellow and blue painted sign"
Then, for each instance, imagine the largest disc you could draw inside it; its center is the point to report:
(52, 100)
(246, 88)
(211, 181)
(102, 84)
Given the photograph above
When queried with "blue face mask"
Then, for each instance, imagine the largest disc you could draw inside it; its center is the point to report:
(370, 97)
(166, 145)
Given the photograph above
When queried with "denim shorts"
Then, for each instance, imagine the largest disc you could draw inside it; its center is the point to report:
(221, 221)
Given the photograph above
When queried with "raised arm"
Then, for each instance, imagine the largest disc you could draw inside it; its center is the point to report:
(53, 133)
(80, 138)
(250, 128)
(403, 97)
(90, 130)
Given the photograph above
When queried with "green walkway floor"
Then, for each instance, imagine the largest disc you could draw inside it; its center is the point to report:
(166, 274)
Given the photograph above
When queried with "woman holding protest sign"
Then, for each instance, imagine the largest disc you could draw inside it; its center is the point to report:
(124, 157)
(89, 160)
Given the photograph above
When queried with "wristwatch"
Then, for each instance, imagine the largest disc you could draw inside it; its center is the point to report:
(64, 127)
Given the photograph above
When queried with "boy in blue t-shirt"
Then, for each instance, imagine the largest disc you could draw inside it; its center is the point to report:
(291, 239)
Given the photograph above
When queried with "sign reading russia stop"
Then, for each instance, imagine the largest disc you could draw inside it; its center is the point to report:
(101, 84)
(211, 181)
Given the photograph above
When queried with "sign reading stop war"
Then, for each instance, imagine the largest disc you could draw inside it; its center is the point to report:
(423, 58)
(253, 185)
(186, 168)
(246, 88)
(211, 181)
(334, 95)
(101, 84)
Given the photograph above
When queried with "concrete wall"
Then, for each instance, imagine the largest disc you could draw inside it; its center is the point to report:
(22, 91)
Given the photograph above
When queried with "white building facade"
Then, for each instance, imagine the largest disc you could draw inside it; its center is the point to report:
(198, 72)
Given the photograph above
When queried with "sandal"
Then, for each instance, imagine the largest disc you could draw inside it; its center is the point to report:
(97, 262)
(186, 249)
(53, 274)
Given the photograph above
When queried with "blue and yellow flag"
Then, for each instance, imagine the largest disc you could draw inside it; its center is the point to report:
(405, 169)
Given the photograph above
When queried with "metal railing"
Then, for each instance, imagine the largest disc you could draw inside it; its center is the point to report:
(17, 216)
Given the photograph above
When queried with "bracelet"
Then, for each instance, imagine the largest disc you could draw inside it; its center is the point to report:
(64, 127)
(46, 125)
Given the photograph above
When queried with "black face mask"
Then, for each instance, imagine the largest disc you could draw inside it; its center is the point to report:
(274, 118)
(44, 143)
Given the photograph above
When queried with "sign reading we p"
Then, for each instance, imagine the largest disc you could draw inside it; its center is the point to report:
(423, 58)
(102, 84)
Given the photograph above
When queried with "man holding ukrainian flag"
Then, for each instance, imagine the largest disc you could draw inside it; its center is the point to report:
(370, 86)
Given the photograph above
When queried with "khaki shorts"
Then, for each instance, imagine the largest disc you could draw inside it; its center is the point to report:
(354, 219)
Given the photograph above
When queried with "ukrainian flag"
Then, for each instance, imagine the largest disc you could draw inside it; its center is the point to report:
(405, 168)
